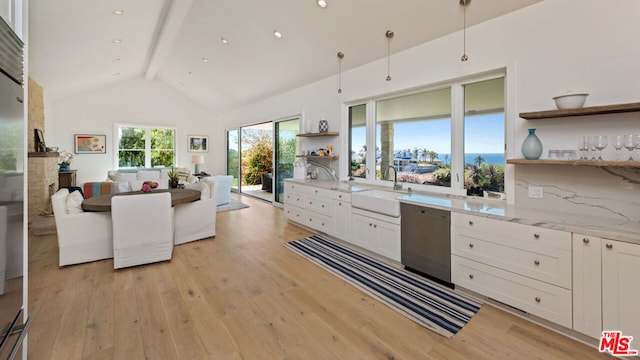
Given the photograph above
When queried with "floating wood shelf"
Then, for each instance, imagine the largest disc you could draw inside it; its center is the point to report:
(328, 133)
(605, 163)
(590, 110)
(332, 157)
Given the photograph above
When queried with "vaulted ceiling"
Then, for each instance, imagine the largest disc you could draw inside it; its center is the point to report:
(76, 45)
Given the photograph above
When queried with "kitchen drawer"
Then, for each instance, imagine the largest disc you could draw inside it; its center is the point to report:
(536, 261)
(295, 198)
(505, 229)
(320, 222)
(535, 297)
(319, 192)
(319, 204)
(288, 187)
(296, 214)
(341, 196)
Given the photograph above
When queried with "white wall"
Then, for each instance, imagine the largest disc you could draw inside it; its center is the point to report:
(548, 48)
(135, 101)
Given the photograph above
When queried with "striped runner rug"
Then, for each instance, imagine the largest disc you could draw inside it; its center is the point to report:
(427, 303)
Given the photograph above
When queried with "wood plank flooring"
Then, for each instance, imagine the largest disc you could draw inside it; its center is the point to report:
(242, 295)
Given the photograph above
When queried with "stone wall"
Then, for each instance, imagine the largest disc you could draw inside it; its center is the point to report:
(42, 167)
(35, 113)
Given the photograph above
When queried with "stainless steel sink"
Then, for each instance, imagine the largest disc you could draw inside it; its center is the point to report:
(380, 201)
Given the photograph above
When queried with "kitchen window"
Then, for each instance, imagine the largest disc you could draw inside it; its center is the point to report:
(446, 139)
(145, 146)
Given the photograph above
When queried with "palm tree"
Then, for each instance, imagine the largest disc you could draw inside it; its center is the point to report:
(432, 155)
(424, 153)
(479, 160)
(415, 153)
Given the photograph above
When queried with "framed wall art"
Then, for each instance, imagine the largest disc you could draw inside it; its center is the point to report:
(90, 144)
(198, 143)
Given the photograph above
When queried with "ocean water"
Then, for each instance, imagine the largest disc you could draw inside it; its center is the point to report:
(496, 159)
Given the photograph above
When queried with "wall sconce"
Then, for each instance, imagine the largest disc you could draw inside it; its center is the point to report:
(389, 34)
(197, 160)
(464, 4)
(340, 57)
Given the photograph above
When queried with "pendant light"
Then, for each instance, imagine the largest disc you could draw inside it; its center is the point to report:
(464, 4)
(389, 34)
(340, 57)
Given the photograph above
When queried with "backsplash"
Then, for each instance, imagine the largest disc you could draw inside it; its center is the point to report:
(593, 191)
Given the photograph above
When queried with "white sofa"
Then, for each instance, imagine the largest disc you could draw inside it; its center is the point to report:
(223, 187)
(197, 220)
(132, 179)
(82, 236)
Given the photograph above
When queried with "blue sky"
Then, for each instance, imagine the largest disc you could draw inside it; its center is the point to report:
(483, 134)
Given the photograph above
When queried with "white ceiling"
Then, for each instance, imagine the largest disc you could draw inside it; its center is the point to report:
(71, 48)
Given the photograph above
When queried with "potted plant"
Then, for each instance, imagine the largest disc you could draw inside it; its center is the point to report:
(173, 178)
(64, 160)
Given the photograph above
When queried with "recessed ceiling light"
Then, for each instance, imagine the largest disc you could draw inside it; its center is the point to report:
(277, 34)
(191, 74)
(116, 60)
(117, 41)
(323, 4)
(181, 83)
(205, 60)
(118, 12)
(116, 74)
(224, 41)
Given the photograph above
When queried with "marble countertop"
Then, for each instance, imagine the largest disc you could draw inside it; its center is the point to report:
(614, 229)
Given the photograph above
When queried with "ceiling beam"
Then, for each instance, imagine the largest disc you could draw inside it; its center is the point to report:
(176, 15)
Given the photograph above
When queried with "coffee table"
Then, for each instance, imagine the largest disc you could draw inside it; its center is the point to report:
(103, 202)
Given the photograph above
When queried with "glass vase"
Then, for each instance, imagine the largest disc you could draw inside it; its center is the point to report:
(531, 146)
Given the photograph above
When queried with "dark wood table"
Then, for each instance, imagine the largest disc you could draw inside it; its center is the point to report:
(103, 202)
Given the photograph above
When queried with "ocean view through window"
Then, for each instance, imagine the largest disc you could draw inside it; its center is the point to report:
(448, 137)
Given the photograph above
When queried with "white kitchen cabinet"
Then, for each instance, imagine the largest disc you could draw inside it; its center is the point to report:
(324, 210)
(621, 288)
(342, 219)
(523, 266)
(377, 233)
(587, 285)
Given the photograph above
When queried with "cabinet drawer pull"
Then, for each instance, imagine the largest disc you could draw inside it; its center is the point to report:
(375, 226)
(470, 222)
(538, 299)
(471, 246)
(585, 240)
(339, 196)
(536, 262)
(322, 224)
(537, 236)
(323, 206)
(470, 276)
(609, 246)
(339, 204)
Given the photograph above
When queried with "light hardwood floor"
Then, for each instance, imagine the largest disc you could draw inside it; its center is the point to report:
(242, 295)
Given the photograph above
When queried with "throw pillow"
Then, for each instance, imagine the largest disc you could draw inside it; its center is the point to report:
(74, 203)
(114, 175)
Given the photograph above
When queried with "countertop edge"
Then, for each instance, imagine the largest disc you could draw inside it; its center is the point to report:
(606, 228)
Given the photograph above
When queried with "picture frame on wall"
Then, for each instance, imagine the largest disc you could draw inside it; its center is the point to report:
(90, 144)
(198, 143)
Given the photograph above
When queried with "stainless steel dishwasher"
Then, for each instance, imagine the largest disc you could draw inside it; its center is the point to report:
(425, 237)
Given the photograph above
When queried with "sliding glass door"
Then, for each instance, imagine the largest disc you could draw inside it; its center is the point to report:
(233, 157)
(286, 148)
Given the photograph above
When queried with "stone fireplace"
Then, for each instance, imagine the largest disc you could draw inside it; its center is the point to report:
(42, 166)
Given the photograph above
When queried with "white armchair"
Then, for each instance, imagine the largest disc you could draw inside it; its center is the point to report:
(197, 220)
(224, 187)
(142, 229)
(82, 236)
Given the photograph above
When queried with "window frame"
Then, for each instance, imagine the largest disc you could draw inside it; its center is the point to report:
(147, 143)
(457, 130)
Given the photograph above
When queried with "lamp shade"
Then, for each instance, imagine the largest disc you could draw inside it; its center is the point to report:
(197, 159)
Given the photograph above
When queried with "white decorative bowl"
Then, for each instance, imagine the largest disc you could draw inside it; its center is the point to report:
(570, 101)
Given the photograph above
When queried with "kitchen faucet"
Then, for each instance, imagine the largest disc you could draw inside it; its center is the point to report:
(396, 186)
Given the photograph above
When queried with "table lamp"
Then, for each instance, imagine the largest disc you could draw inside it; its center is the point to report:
(197, 160)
